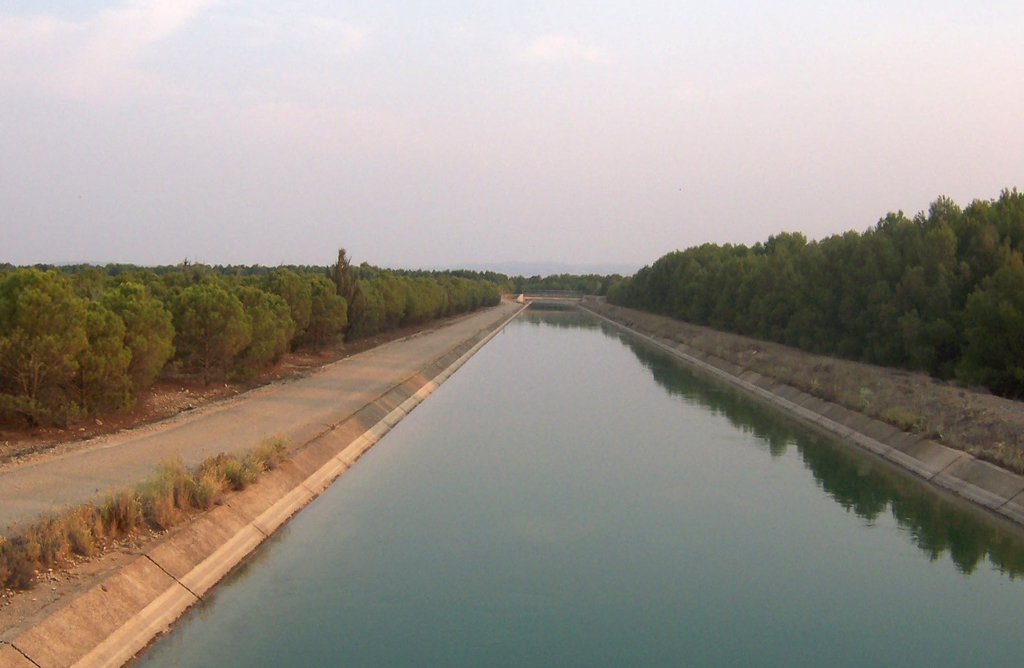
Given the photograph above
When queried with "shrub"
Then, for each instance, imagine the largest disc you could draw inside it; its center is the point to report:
(17, 570)
(272, 452)
(901, 417)
(46, 542)
(240, 473)
(121, 512)
(161, 500)
(205, 488)
(164, 495)
(82, 527)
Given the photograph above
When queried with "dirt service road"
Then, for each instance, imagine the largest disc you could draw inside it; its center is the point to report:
(296, 409)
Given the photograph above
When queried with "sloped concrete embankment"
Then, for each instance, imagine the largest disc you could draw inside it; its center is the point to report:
(980, 482)
(111, 622)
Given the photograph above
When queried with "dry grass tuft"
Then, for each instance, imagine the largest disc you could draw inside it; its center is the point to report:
(167, 497)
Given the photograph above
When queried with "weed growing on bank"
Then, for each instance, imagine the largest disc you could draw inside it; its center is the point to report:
(170, 495)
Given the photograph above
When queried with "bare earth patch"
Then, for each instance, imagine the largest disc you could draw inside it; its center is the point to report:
(974, 421)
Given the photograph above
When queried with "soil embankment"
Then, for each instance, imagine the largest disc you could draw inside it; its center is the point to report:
(782, 376)
(112, 620)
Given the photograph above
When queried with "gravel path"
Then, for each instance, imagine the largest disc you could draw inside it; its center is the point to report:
(296, 409)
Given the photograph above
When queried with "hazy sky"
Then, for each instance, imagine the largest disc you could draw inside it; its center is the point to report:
(430, 134)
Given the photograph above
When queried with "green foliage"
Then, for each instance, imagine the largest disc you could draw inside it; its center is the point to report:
(903, 418)
(994, 319)
(367, 311)
(66, 332)
(42, 333)
(328, 313)
(212, 329)
(272, 329)
(938, 293)
(148, 330)
(102, 381)
(295, 291)
(341, 274)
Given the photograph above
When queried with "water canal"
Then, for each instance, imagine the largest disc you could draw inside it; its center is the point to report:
(572, 498)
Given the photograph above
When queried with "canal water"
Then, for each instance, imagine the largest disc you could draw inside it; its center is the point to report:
(572, 498)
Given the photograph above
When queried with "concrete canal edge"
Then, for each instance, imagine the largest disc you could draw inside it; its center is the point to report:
(979, 482)
(107, 625)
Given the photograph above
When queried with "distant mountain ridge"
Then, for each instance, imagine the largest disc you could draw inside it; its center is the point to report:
(548, 268)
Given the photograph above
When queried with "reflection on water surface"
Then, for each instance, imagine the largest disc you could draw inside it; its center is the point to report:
(550, 505)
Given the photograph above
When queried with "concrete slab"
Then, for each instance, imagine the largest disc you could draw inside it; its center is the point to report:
(371, 414)
(394, 417)
(835, 412)
(750, 376)
(279, 513)
(255, 500)
(314, 455)
(124, 643)
(12, 658)
(812, 403)
(901, 440)
(219, 563)
(715, 361)
(788, 392)
(356, 449)
(72, 633)
(414, 383)
(189, 546)
(421, 394)
(732, 369)
(925, 458)
(387, 402)
(869, 444)
(877, 430)
(347, 432)
(322, 478)
(1014, 508)
(378, 430)
(980, 482)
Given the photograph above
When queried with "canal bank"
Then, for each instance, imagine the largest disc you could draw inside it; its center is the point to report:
(112, 621)
(966, 476)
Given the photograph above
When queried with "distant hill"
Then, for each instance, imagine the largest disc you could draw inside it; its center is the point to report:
(548, 268)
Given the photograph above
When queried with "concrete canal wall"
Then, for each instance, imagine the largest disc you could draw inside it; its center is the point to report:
(963, 474)
(114, 620)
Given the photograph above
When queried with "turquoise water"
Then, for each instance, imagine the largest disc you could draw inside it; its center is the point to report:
(570, 498)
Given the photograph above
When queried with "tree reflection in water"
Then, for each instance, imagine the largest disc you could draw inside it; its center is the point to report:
(857, 481)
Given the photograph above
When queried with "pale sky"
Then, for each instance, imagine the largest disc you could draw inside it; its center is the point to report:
(438, 134)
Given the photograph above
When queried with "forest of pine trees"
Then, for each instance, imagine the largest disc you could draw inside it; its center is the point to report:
(942, 292)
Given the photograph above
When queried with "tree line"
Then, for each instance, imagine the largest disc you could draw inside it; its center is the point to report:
(942, 292)
(84, 340)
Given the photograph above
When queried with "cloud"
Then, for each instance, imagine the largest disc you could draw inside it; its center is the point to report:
(560, 48)
(94, 57)
(326, 35)
(157, 48)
